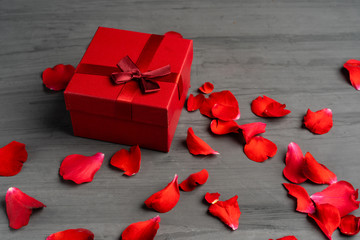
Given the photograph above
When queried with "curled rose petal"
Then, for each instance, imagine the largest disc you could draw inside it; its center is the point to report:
(286, 238)
(166, 199)
(251, 129)
(294, 161)
(19, 207)
(319, 122)
(212, 198)
(220, 127)
(225, 106)
(350, 225)
(207, 87)
(58, 77)
(128, 161)
(72, 234)
(327, 218)
(197, 146)
(268, 107)
(194, 103)
(353, 66)
(206, 107)
(145, 230)
(12, 157)
(316, 172)
(259, 149)
(303, 201)
(227, 211)
(79, 168)
(194, 180)
(341, 195)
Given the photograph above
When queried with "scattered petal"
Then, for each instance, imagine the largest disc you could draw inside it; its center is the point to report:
(212, 197)
(145, 230)
(268, 107)
(294, 161)
(72, 234)
(79, 168)
(227, 211)
(303, 201)
(350, 225)
(197, 146)
(259, 149)
(206, 107)
(128, 161)
(353, 66)
(316, 172)
(319, 122)
(194, 103)
(194, 180)
(166, 199)
(342, 195)
(251, 129)
(207, 87)
(58, 77)
(19, 207)
(12, 157)
(221, 127)
(225, 106)
(286, 238)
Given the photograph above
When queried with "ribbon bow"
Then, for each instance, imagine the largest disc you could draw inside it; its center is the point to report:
(131, 72)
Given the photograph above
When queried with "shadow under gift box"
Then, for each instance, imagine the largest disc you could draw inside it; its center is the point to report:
(121, 113)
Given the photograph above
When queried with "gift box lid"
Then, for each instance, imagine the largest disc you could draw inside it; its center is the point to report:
(93, 92)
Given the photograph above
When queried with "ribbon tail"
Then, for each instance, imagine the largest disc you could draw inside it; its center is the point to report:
(160, 72)
(148, 86)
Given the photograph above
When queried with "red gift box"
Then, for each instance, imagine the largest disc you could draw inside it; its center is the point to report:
(122, 113)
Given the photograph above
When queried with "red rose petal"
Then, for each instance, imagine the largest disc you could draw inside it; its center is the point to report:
(206, 107)
(207, 87)
(19, 207)
(227, 211)
(286, 238)
(294, 161)
(341, 195)
(353, 66)
(220, 127)
(79, 168)
(316, 172)
(212, 197)
(197, 146)
(319, 122)
(12, 157)
(259, 149)
(72, 234)
(194, 180)
(145, 230)
(304, 203)
(268, 107)
(251, 129)
(327, 218)
(350, 225)
(194, 103)
(58, 77)
(128, 161)
(225, 106)
(166, 199)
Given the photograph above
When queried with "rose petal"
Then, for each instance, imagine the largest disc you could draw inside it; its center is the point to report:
(212, 197)
(206, 107)
(319, 122)
(341, 195)
(316, 172)
(19, 207)
(350, 225)
(72, 234)
(220, 127)
(327, 218)
(353, 66)
(268, 107)
(194, 180)
(197, 146)
(58, 77)
(166, 199)
(79, 168)
(225, 106)
(286, 238)
(145, 230)
(194, 103)
(207, 87)
(303, 201)
(227, 211)
(251, 129)
(128, 161)
(12, 157)
(259, 149)
(294, 161)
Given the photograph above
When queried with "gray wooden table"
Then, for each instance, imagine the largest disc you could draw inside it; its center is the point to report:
(292, 51)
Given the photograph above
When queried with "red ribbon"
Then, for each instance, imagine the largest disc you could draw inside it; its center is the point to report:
(131, 72)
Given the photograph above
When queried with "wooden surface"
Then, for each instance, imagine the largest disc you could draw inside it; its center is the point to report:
(288, 50)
